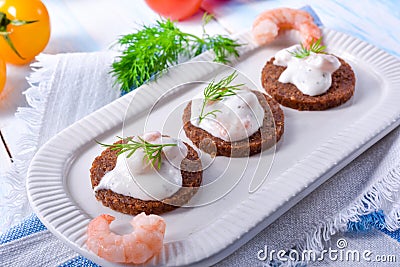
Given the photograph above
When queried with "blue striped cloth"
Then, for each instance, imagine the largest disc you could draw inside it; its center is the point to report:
(32, 225)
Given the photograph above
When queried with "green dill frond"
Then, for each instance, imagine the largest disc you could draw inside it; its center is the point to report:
(304, 52)
(153, 152)
(216, 91)
(155, 48)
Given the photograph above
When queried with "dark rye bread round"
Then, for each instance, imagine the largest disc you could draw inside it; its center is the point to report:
(191, 172)
(269, 134)
(287, 94)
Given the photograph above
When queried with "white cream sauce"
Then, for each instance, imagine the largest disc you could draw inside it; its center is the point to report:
(238, 117)
(136, 177)
(312, 75)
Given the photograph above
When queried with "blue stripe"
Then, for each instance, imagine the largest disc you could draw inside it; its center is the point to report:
(367, 222)
(374, 220)
(79, 262)
(28, 226)
(395, 234)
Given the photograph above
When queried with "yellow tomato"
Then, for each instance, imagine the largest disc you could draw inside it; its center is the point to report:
(2, 74)
(30, 39)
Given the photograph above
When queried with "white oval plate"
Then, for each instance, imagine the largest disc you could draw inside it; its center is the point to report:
(314, 147)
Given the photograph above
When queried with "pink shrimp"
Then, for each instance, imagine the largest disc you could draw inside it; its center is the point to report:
(151, 136)
(267, 25)
(144, 242)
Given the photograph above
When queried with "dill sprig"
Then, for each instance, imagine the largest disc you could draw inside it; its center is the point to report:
(217, 91)
(304, 52)
(154, 48)
(152, 152)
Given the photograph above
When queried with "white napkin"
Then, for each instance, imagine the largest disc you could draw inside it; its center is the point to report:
(64, 88)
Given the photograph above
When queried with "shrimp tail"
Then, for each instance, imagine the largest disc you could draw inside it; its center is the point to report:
(267, 25)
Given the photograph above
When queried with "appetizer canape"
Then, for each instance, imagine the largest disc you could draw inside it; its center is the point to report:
(307, 78)
(232, 120)
(151, 173)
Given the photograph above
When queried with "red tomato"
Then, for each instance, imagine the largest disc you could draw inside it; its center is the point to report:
(30, 39)
(175, 9)
(2, 74)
